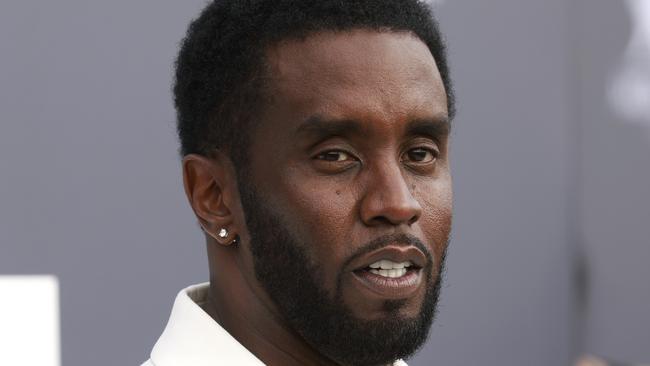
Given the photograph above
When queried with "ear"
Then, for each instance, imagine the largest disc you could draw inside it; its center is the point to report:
(209, 186)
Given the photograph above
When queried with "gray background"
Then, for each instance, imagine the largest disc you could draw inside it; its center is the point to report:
(549, 185)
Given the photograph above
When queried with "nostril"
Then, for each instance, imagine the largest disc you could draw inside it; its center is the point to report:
(383, 220)
(413, 219)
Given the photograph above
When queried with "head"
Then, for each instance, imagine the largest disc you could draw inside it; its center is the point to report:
(317, 134)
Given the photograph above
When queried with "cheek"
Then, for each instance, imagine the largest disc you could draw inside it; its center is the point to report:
(321, 215)
(318, 207)
(437, 216)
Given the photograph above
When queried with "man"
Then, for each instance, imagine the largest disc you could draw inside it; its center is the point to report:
(315, 147)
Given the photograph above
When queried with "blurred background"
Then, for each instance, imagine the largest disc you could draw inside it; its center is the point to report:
(551, 163)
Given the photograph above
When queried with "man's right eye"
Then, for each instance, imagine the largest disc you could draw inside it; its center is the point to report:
(334, 155)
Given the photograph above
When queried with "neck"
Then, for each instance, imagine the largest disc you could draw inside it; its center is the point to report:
(243, 309)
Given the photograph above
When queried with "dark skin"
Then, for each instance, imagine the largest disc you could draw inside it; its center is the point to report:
(353, 145)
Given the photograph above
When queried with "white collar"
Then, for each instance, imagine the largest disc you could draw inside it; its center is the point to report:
(193, 338)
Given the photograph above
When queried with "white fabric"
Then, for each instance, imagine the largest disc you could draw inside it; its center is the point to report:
(193, 338)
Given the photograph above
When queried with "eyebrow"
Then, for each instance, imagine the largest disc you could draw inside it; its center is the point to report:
(434, 128)
(320, 127)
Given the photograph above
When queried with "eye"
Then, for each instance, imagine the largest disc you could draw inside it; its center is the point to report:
(334, 155)
(422, 155)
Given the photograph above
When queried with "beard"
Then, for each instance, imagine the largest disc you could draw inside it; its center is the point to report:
(294, 281)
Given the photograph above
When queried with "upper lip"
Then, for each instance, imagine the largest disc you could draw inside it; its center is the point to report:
(393, 252)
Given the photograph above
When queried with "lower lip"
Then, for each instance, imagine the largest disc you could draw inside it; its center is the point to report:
(388, 287)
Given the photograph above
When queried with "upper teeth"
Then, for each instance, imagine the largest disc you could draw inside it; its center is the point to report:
(386, 264)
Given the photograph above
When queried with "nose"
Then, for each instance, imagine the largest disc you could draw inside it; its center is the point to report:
(388, 199)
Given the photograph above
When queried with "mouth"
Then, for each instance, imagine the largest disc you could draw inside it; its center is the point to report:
(393, 272)
(389, 269)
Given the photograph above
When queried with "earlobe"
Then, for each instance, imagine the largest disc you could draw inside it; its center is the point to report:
(206, 183)
(224, 237)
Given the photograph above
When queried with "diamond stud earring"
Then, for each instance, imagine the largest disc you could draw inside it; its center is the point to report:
(223, 233)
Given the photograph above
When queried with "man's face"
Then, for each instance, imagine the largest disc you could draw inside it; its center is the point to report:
(348, 171)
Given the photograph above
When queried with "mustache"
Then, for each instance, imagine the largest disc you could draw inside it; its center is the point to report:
(401, 239)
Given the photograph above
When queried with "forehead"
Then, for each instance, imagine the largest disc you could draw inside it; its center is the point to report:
(359, 71)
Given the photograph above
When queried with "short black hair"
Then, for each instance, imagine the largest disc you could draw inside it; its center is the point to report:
(220, 68)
